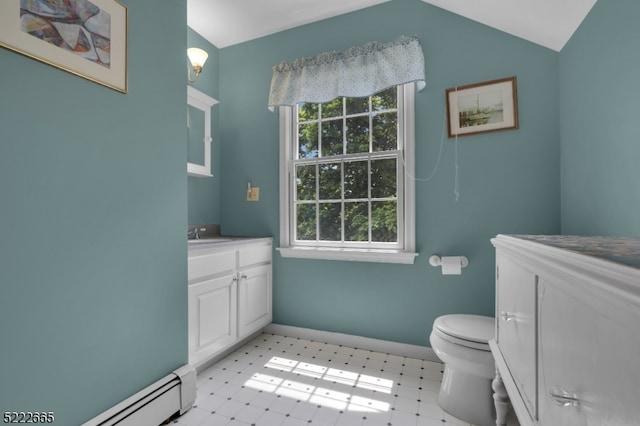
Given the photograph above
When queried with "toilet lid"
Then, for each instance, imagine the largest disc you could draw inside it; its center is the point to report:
(474, 328)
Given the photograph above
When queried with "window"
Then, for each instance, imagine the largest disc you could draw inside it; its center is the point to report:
(345, 191)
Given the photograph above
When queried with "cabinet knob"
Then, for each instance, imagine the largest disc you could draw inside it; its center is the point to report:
(507, 316)
(235, 279)
(243, 276)
(563, 398)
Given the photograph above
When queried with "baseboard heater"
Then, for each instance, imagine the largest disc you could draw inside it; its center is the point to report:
(175, 393)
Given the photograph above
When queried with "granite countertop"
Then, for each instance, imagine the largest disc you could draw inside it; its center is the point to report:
(625, 251)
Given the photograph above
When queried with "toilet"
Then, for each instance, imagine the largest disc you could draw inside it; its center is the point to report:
(461, 343)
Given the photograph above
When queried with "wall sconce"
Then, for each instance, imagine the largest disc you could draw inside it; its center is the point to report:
(197, 57)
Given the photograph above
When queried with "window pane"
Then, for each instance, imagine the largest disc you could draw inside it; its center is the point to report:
(356, 183)
(306, 182)
(357, 134)
(330, 181)
(356, 221)
(383, 178)
(357, 105)
(306, 222)
(330, 222)
(387, 99)
(308, 140)
(307, 112)
(346, 165)
(332, 138)
(384, 221)
(332, 108)
(385, 131)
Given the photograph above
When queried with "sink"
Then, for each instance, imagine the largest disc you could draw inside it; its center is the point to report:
(208, 241)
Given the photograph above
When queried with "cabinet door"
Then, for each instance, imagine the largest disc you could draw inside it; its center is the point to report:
(516, 323)
(589, 356)
(212, 316)
(254, 299)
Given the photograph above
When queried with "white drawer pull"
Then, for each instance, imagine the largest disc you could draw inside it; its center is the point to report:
(507, 316)
(563, 397)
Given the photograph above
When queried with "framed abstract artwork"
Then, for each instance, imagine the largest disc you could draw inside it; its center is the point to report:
(482, 107)
(85, 38)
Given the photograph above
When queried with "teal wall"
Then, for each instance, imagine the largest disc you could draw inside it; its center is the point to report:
(93, 188)
(93, 296)
(204, 193)
(509, 181)
(600, 105)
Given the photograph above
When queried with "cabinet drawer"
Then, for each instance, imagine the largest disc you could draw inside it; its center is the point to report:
(516, 322)
(211, 264)
(254, 254)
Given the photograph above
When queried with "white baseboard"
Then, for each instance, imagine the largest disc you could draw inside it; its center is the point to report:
(384, 346)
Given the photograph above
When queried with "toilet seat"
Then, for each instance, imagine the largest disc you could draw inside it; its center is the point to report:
(472, 331)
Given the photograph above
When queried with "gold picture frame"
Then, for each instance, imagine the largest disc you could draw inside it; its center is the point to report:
(489, 106)
(82, 37)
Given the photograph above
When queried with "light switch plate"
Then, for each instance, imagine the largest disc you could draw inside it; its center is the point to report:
(253, 194)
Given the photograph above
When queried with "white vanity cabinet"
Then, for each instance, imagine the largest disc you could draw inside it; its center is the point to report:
(567, 345)
(230, 295)
(516, 325)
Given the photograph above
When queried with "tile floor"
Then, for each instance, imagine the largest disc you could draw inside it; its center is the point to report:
(285, 381)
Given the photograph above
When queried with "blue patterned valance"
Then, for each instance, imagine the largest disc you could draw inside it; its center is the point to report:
(357, 72)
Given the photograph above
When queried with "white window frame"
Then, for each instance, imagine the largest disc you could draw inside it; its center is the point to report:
(406, 133)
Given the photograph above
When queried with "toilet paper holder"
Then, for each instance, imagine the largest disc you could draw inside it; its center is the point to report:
(436, 260)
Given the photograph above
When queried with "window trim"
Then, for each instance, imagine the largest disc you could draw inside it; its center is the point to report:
(406, 119)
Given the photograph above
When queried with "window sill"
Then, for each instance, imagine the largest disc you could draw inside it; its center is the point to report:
(346, 254)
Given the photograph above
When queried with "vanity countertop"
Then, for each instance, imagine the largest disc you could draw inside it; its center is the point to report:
(625, 251)
(222, 241)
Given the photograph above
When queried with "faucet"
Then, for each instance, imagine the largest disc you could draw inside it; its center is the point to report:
(193, 234)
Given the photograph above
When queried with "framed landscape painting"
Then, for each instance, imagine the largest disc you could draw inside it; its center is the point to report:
(484, 107)
(85, 38)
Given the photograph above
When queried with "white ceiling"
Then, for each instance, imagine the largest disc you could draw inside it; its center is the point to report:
(228, 22)
(550, 23)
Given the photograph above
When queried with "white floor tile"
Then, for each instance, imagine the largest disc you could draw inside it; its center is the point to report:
(348, 419)
(250, 414)
(325, 416)
(428, 421)
(230, 408)
(236, 422)
(246, 394)
(228, 390)
(263, 400)
(283, 405)
(403, 418)
(211, 402)
(283, 381)
(215, 420)
(304, 411)
(271, 418)
(194, 417)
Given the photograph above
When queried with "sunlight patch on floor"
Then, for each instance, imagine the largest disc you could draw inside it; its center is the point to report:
(325, 397)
